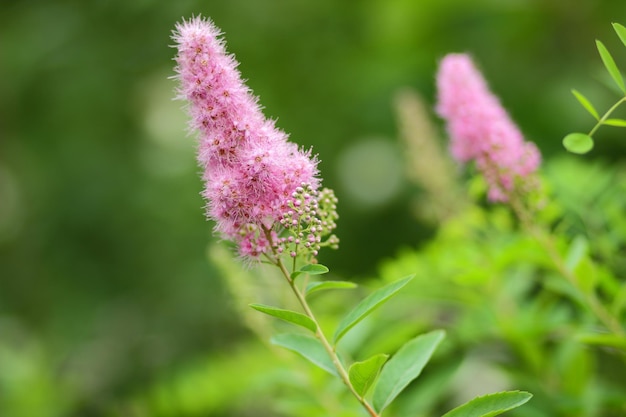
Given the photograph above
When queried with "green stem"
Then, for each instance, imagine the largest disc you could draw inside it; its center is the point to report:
(343, 374)
(606, 116)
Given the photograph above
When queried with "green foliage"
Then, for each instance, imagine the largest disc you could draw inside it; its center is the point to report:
(582, 143)
(586, 104)
(504, 292)
(578, 143)
(102, 238)
(369, 304)
(287, 315)
(621, 32)
(363, 374)
(491, 405)
(311, 269)
(404, 367)
(328, 285)
(610, 66)
(307, 347)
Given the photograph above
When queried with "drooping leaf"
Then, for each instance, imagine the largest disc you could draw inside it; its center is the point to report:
(615, 122)
(369, 304)
(491, 405)
(610, 65)
(586, 104)
(287, 315)
(328, 285)
(363, 374)
(579, 143)
(621, 32)
(311, 269)
(307, 347)
(404, 367)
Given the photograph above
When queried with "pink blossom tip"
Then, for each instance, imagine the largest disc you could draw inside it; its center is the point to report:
(480, 129)
(249, 167)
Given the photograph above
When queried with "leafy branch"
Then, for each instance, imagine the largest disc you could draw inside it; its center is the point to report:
(376, 381)
(582, 143)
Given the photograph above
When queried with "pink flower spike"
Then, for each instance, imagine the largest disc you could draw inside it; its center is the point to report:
(480, 129)
(249, 168)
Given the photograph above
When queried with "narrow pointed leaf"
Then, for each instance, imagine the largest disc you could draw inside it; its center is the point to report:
(328, 285)
(615, 122)
(369, 304)
(491, 405)
(621, 32)
(307, 347)
(579, 143)
(287, 315)
(586, 104)
(363, 374)
(404, 367)
(609, 63)
(311, 269)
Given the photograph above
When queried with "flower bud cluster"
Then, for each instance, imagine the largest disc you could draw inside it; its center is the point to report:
(251, 171)
(309, 218)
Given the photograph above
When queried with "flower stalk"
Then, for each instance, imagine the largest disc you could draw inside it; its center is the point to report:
(319, 334)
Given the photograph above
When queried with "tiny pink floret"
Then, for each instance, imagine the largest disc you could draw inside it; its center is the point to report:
(480, 129)
(249, 167)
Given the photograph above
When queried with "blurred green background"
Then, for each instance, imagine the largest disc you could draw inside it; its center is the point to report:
(104, 280)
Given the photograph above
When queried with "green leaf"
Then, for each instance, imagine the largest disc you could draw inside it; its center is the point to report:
(311, 269)
(615, 122)
(404, 367)
(328, 285)
(363, 374)
(609, 63)
(368, 305)
(605, 339)
(577, 250)
(586, 275)
(287, 315)
(586, 104)
(579, 143)
(491, 405)
(621, 32)
(307, 347)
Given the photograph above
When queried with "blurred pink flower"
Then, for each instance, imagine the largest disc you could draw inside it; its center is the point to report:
(480, 129)
(249, 168)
